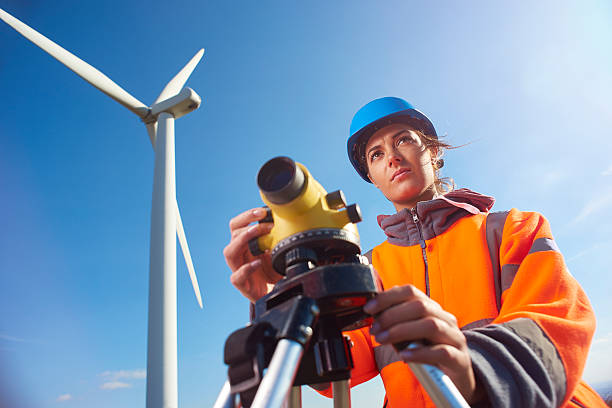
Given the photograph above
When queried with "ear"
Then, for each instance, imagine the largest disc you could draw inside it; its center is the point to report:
(435, 161)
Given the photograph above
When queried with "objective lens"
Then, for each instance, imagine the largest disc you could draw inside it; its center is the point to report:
(280, 180)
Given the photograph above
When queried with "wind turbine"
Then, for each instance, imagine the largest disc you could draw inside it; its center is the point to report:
(173, 102)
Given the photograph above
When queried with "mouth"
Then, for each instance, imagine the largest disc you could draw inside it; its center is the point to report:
(399, 172)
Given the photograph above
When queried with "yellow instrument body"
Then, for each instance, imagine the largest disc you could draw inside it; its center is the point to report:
(308, 211)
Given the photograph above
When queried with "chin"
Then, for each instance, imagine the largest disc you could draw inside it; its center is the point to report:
(404, 196)
(406, 193)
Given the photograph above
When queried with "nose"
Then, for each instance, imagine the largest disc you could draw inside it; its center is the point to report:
(393, 157)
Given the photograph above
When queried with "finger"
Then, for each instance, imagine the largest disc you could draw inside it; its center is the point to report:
(237, 231)
(237, 247)
(269, 272)
(395, 295)
(254, 231)
(241, 276)
(438, 355)
(406, 311)
(247, 217)
(429, 328)
(411, 310)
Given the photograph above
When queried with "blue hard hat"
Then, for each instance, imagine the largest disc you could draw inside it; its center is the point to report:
(376, 115)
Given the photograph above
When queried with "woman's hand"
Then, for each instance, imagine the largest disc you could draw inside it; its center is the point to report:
(405, 314)
(252, 275)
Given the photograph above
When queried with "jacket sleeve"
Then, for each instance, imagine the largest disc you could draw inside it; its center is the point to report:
(534, 351)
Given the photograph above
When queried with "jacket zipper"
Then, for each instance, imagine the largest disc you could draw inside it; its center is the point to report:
(415, 219)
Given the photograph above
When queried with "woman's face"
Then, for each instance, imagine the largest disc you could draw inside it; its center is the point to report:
(400, 165)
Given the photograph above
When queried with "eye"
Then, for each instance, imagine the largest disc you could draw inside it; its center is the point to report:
(406, 138)
(375, 155)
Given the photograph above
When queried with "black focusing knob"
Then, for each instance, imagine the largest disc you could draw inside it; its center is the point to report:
(254, 247)
(354, 213)
(269, 217)
(335, 200)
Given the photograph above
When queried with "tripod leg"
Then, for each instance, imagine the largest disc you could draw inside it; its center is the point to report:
(225, 399)
(342, 394)
(439, 387)
(274, 387)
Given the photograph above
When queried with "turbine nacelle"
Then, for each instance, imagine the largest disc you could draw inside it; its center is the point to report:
(178, 105)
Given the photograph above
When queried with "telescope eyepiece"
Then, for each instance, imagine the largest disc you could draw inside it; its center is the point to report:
(281, 180)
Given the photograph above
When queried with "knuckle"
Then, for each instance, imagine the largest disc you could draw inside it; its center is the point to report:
(235, 279)
(446, 353)
(229, 252)
(452, 319)
(407, 290)
(421, 307)
(432, 325)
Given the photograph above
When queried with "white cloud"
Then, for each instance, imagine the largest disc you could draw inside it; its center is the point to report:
(586, 251)
(596, 204)
(607, 172)
(64, 397)
(113, 385)
(11, 338)
(112, 378)
(137, 374)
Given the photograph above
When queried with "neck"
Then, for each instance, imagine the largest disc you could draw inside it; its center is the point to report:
(429, 194)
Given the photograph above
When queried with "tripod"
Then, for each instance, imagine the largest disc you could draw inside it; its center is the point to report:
(296, 339)
(275, 389)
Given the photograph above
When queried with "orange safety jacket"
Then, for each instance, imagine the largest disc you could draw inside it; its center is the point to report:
(527, 322)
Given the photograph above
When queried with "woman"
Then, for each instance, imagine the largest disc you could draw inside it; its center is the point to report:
(488, 293)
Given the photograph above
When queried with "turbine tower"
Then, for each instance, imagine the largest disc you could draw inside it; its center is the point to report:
(173, 102)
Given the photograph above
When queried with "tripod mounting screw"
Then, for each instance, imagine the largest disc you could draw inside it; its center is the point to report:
(300, 255)
(299, 260)
(306, 330)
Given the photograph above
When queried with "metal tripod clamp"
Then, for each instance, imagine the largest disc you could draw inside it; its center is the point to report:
(294, 337)
(274, 349)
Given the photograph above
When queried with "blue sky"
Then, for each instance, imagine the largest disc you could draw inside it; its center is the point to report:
(525, 86)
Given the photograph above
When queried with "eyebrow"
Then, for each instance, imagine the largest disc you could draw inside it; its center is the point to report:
(378, 146)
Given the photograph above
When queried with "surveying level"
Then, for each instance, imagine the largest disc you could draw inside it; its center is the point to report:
(295, 337)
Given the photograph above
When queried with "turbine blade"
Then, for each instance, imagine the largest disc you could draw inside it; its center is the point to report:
(176, 84)
(80, 67)
(183, 241)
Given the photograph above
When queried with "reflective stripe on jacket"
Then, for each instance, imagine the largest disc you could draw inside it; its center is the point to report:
(527, 321)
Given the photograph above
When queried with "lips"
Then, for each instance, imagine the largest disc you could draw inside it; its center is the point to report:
(399, 172)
